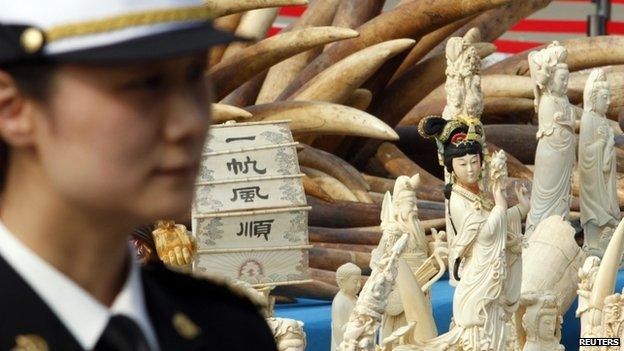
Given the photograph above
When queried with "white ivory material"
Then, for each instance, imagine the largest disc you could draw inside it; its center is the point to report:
(463, 83)
(555, 154)
(600, 308)
(542, 322)
(600, 211)
(551, 261)
(288, 333)
(488, 290)
(366, 317)
(399, 216)
(348, 279)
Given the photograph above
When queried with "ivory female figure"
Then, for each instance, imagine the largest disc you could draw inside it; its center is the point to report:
(600, 212)
(488, 242)
(555, 154)
(485, 252)
(541, 322)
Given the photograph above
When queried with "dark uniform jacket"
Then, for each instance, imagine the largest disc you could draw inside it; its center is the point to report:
(186, 313)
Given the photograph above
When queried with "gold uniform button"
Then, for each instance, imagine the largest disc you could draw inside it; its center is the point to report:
(32, 40)
(185, 327)
(30, 342)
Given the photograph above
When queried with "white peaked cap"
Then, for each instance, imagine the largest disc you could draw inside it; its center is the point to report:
(105, 30)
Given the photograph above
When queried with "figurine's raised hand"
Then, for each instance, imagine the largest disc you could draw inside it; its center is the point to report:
(499, 196)
(522, 193)
(174, 245)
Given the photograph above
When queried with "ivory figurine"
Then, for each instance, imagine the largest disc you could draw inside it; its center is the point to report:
(366, 317)
(168, 242)
(555, 154)
(485, 253)
(348, 279)
(600, 211)
(600, 308)
(288, 334)
(399, 216)
(542, 322)
(463, 83)
(550, 263)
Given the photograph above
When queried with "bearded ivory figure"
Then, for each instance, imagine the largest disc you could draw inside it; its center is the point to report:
(348, 278)
(600, 211)
(399, 216)
(555, 154)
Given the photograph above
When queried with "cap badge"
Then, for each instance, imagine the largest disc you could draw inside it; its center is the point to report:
(32, 40)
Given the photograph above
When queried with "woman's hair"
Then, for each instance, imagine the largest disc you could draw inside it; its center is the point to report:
(596, 83)
(34, 80)
(543, 64)
(445, 132)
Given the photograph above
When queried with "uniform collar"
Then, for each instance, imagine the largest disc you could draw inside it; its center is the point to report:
(84, 316)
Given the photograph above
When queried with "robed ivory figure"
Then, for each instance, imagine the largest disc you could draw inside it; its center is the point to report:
(600, 212)
(556, 147)
(488, 286)
(348, 279)
(399, 215)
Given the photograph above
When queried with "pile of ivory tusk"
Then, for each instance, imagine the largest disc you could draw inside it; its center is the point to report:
(355, 82)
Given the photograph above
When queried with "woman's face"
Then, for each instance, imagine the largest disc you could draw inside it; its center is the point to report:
(560, 81)
(125, 139)
(601, 105)
(467, 168)
(547, 326)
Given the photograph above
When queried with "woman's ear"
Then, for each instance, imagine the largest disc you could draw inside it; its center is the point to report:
(16, 121)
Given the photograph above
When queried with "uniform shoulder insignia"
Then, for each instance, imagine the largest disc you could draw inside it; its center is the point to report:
(30, 342)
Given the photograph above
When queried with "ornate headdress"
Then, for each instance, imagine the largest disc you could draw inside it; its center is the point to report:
(539, 304)
(542, 65)
(461, 132)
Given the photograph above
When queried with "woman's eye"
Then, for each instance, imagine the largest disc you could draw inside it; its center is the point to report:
(146, 83)
(195, 73)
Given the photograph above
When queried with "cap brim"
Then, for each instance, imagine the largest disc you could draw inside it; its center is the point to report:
(165, 45)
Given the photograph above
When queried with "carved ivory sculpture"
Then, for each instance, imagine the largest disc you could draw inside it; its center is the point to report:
(168, 242)
(600, 211)
(399, 216)
(463, 83)
(348, 279)
(550, 263)
(462, 86)
(288, 333)
(555, 154)
(366, 316)
(542, 322)
(484, 298)
(600, 308)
